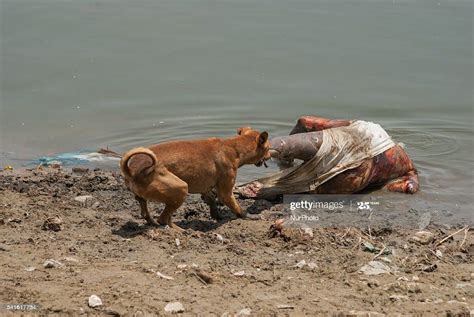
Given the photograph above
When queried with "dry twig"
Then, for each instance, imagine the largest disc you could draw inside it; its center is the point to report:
(381, 252)
(452, 234)
(465, 236)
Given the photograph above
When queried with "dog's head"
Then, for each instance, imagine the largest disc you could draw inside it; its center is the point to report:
(258, 152)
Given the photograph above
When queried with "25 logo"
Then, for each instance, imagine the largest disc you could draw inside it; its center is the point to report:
(366, 205)
(363, 205)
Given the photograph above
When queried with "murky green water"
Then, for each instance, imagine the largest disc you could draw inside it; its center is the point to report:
(87, 74)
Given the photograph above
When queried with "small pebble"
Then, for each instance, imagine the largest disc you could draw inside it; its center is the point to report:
(95, 301)
(174, 308)
(244, 312)
(312, 265)
(51, 263)
(95, 205)
(219, 237)
(308, 232)
(52, 223)
(300, 264)
(423, 237)
(83, 199)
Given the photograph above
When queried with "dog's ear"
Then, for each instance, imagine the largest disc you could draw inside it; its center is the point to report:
(242, 130)
(263, 137)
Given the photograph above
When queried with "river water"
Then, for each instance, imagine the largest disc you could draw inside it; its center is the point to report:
(79, 75)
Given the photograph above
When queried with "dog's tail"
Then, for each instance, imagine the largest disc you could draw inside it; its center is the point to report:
(127, 156)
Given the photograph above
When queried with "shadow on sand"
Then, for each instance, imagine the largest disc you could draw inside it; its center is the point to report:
(132, 229)
(191, 221)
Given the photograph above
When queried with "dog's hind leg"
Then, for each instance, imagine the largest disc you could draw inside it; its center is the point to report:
(173, 191)
(407, 183)
(144, 210)
(166, 215)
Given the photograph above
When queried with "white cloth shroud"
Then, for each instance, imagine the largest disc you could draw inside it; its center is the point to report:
(342, 148)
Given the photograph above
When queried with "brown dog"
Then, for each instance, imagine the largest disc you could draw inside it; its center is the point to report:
(167, 172)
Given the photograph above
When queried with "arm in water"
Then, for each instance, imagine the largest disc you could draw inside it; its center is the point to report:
(302, 146)
(305, 138)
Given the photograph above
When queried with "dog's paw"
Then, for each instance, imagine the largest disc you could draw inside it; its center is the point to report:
(152, 223)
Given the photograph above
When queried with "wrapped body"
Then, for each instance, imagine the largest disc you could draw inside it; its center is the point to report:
(391, 168)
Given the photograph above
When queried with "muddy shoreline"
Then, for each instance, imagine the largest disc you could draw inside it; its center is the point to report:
(102, 247)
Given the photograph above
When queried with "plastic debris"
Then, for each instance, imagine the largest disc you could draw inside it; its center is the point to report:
(74, 158)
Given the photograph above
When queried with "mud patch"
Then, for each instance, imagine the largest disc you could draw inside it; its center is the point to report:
(220, 267)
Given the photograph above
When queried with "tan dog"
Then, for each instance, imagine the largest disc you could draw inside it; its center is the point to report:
(167, 172)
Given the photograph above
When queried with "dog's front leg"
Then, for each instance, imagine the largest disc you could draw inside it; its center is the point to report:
(210, 199)
(144, 210)
(229, 200)
(224, 192)
(226, 196)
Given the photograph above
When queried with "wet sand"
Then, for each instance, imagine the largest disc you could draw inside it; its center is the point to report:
(220, 268)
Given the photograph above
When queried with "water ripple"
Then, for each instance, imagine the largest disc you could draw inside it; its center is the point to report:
(426, 143)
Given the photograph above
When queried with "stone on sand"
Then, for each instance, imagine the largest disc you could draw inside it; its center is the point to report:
(95, 301)
(244, 312)
(423, 237)
(374, 268)
(51, 263)
(174, 308)
(83, 199)
(52, 224)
